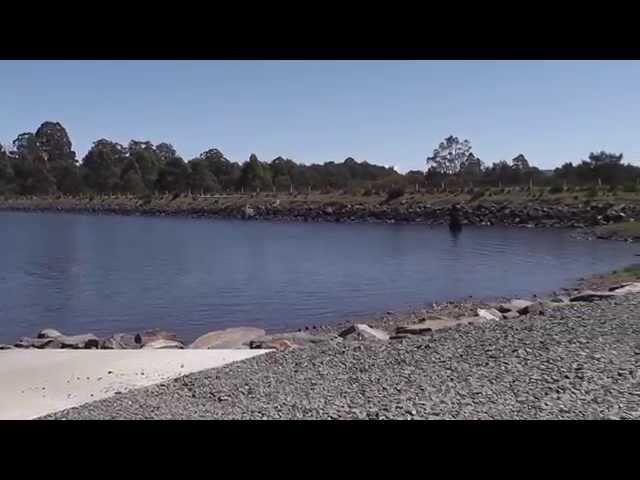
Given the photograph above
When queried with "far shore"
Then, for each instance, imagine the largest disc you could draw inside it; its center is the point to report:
(595, 216)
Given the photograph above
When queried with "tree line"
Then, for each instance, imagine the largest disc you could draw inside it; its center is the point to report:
(44, 163)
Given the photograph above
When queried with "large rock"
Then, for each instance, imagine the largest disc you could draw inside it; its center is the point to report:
(149, 336)
(515, 305)
(48, 333)
(238, 337)
(433, 324)
(279, 344)
(489, 314)
(592, 296)
(162, 344)
(361, 331)
(299, 339)
(26, 342)
(119, 341)
(78, 341)
(628, 288)
(6, 347)
(510, 315)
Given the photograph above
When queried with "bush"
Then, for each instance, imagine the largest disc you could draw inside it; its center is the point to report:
(556, 189)
(592, 192)
(477, 195)
(630, 188)
(394, 193)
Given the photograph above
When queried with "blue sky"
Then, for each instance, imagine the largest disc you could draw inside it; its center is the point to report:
(386, 112)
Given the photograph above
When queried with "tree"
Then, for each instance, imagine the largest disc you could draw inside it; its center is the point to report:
(450, 155)
(520, 162)
(174, 175)
(132, 183)
(200, 179)
(471, 167)
(255, 175)
(603, 158)
(7, 178)
(102, 166)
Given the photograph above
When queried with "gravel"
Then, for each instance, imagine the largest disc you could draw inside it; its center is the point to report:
(580, 361)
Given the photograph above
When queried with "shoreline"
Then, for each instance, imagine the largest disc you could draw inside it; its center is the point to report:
(453, 310)
(412, 209)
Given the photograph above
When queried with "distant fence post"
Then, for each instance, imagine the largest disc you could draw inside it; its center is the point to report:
(291, 188)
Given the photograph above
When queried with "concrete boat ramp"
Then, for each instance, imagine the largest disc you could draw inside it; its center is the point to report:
(34, 383)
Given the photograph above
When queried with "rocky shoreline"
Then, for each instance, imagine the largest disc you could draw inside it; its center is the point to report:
(532, 214)
(391, 326)
(574, 360)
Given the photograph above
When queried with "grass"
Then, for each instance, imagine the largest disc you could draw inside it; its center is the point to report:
(632, 272)
(620, 230)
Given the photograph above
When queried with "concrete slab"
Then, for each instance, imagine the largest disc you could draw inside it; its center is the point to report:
(34, 383)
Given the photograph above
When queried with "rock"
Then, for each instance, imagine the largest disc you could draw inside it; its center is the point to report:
(629, 288)
(559, 299)
(119, 341)
(238, 337)
(592, 296)
(536, 308)
(298, 339)
(471, 320)
(361, 331)
(489, 313)
(613, 288)
(162, 344)
(48, 333)
(514, 305)
(149, 336)
(510, 315)
(6, 347)
(421, 328)
(279, 344)
(26, 342)
(249, 212)
(78, 341)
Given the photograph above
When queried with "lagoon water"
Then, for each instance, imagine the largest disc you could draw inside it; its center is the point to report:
(88, 274)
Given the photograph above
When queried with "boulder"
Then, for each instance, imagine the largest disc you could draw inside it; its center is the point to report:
(630, 288)
(149, 336)
(238, 337)
(162, 344)
(6, 347)
(48, 333)
(510, 315)
(26, 342)
(279, 344)
(559, 299)
(515, 305)
(536, 308)
(489, 313)
(361, 331)
(298, 339)
(119, 341)
(78, 341)
(434, 324)
(592, 296)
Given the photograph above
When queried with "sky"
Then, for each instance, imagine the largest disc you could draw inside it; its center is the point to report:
(391, 113)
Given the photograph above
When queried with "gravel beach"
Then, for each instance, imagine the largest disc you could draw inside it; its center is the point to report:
(579, 361)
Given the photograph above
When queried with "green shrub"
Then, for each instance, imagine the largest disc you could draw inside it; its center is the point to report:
(630, 188)
(394, 193)
(592, 192)
(556, 189)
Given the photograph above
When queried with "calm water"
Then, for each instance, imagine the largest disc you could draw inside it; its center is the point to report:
(102, 275)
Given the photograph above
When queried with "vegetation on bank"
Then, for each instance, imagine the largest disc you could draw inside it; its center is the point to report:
(44, 163)
(622, 230)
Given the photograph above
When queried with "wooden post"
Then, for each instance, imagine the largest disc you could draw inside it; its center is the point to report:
(291, 188)
(309, 189)
(599, 182)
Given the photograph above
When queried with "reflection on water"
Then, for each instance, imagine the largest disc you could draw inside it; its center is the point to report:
(106, 274)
